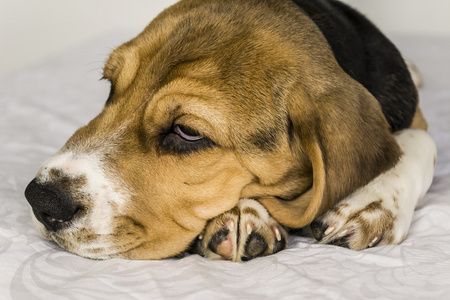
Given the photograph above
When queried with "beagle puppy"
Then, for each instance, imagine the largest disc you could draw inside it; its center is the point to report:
(230, 122)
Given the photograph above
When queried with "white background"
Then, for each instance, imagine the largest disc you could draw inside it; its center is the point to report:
(32, 30)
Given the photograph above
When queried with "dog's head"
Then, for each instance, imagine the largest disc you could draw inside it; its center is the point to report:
(209, 104)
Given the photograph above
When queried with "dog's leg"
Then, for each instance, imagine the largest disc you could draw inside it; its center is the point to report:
(243, 233)
(380, 213)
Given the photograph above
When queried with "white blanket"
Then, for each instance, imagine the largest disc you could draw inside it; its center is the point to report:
(42, 106)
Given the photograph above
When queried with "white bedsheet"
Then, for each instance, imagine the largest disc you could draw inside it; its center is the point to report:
(42, 106)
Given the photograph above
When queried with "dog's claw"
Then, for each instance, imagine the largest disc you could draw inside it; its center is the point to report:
(344, 233)
(329, 230)
(230, 225)
(277, 234)
(374, 241)
(249, 229)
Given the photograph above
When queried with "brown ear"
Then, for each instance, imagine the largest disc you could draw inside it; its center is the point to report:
(347, 139)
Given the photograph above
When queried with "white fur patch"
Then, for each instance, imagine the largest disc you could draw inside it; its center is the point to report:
(105, 195)
(399, 190)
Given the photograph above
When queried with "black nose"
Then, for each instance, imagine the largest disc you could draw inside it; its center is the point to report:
(52, 207)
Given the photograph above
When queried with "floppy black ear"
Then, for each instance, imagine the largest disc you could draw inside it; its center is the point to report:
(343, 132)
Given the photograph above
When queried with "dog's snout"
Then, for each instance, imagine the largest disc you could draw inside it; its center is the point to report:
(52, 207)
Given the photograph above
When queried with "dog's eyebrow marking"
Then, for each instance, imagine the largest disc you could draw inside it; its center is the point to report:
(265, 139)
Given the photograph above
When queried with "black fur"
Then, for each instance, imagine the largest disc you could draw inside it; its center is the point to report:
(368, 56)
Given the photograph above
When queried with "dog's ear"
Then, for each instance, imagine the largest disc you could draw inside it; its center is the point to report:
(344, 134)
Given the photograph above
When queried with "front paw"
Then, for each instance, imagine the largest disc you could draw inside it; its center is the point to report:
(380, 212)
(243, 233)
(357, 227)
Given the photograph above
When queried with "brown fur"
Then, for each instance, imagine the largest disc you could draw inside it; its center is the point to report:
(291, 129)
(419, 121)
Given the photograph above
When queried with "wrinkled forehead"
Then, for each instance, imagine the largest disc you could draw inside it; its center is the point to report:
(192, 88)
(239, 78)
(235, 90)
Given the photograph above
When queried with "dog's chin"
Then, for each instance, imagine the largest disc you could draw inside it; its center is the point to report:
(99, 247)
(129, 242)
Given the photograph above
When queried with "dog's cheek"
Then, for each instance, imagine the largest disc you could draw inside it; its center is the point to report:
(212, 183)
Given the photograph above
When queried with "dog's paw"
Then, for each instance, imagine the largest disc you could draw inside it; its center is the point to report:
(243, 233)
(380, 213)
(357, 227)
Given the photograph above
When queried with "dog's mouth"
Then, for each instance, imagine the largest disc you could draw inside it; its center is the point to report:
(55, 224)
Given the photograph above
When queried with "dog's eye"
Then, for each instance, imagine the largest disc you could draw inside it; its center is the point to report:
(182, 139)
(187, 133)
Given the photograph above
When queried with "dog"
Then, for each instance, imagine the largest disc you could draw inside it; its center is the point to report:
(230, 122)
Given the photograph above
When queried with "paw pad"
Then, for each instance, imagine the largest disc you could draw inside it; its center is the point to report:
(241, 234)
